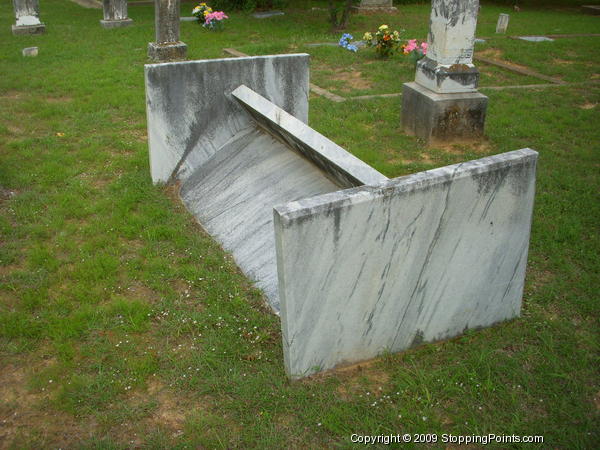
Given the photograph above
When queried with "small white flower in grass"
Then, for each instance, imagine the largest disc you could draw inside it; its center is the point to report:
(424, 418)
(319, 424)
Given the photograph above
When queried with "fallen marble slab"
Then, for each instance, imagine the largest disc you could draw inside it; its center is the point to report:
(267, 14)
(535, 38)
(356, 264)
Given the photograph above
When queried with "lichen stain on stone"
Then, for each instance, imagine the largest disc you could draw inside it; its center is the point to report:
(458, 68)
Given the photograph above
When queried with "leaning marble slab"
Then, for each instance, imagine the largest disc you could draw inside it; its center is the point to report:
(415, 259)
(356, 263)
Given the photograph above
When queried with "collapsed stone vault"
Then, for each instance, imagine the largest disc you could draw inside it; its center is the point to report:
(354, 263)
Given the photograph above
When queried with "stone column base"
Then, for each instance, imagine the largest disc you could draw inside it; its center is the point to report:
(432, 116)
(29, 29)
(116, 23)
(167, 52)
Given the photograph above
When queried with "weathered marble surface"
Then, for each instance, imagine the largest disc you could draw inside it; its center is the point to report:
(343, 168)
(27, 17)
(502, 23)
(167, 46)
(535, 38)
(432, 116)
(115, 14)
(191, 113)
(448, 66)
(415, 259)
(233, 193)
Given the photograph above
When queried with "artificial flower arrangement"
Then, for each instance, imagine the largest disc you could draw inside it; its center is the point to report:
(345, 42)
(211, 20)
(415, 50)
(386, 42)
(201, 11)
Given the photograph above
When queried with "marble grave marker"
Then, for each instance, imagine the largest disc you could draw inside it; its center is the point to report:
(443, 103)
(115, 14)
(27, 15)
(502, 24)
(167, 47)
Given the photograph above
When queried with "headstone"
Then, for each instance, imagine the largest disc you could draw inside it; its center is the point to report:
(443, 102)
(30, 51)
(502, 24)
(355, 264)
(267, 14)
(27, 14)
(167, 47)
(115, 14)
(367, 6)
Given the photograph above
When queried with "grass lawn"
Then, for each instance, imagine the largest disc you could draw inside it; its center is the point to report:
(123, 324)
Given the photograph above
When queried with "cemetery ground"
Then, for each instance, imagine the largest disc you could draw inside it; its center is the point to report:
(123, 324)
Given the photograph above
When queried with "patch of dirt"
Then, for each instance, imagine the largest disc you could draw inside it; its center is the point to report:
(562, 62)
(362, 378)
(588, 105)
(171, 410)
(597, 400)
(11, 95)
(462, 146)
(59, 99)
(425, 159)
(353, 80)
(23, 413)
(142, 292)
(495, 54)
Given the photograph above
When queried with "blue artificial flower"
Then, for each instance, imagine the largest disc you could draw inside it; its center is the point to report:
(352, 48)
(345, 40)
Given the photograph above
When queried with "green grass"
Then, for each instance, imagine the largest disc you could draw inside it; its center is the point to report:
(123, 324)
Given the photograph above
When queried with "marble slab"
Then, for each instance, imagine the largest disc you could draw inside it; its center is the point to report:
(233, 193)
(415, 259)
(191, 113)
(345, 169)
(535, 38)
(267, 14)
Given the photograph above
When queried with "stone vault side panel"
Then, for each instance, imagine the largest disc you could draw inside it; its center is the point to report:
(191, 114)
(415, 259)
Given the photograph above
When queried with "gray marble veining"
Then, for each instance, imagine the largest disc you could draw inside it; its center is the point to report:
(232, 195)
(344, 168)
(415, 259)
(191, 114)
(357, 264)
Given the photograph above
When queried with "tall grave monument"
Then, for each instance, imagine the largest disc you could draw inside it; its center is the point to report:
(443, 103)
(167, 47)
(27, 15)
(115, 14)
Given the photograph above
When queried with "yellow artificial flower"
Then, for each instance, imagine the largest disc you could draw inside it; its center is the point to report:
(383, 27)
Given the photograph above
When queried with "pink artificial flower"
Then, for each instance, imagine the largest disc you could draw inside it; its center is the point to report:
(218, 15)
(424, 48)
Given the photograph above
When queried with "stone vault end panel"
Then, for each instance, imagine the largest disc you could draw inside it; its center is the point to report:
(191, 113)
(414, 259)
